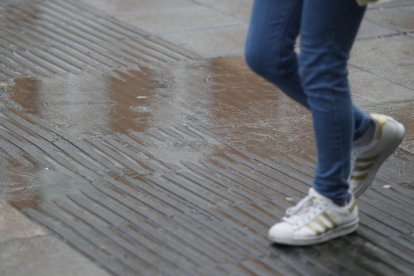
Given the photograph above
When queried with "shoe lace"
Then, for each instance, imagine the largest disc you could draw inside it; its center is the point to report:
(304, 211)
(301, 206)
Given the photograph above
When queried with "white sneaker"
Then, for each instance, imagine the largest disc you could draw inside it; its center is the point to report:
(366, 160)
(315, 219)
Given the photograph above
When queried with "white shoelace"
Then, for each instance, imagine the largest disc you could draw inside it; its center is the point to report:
(304, 211)
(303, 204)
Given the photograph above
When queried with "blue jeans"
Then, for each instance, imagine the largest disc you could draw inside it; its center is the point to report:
(317, 78)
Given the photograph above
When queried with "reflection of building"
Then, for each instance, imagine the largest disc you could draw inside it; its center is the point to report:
(79, 106)
(130, 96)
(84, 106)
(25, 92)
(22, 16)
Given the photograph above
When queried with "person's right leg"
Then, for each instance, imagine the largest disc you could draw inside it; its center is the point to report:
(269, 51)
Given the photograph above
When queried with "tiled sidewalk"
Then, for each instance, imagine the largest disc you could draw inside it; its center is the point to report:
(133, 132)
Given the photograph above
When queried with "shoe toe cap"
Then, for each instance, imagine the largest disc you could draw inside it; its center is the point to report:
(281, 232)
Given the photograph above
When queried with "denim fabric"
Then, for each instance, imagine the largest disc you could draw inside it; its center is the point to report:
(317, 78)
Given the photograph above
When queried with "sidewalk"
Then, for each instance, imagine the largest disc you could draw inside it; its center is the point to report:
(134, 140)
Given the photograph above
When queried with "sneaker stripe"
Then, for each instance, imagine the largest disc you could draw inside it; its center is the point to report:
(313, 226)
(362, 168)
(330, 219)
(359, 177)
(366, 159)
(318, 226)
(321, 224)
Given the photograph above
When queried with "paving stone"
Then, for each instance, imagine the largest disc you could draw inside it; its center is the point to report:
(391, 58)
(128, 7)
(60, 29)
(408, 145)
(14, 225)
(399, 18)
(224, 41)
(238, 8)
(369, 89)
(370, 30)
(44, 256)
(391, 3)
(180, 20)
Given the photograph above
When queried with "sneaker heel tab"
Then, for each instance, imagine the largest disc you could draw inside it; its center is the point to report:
(380, 121)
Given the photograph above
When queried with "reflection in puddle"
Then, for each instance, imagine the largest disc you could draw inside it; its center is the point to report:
(21, 15)
(28, 180)
(84, 106)
(252, 115)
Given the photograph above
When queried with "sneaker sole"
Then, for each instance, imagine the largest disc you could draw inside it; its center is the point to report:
(332, 234)
(361, 188)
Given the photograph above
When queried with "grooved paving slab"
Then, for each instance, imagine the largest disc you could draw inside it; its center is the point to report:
(157, 186)
(137, 212)
(43, 38)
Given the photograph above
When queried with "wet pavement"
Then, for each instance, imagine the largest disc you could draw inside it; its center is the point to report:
(152, 156)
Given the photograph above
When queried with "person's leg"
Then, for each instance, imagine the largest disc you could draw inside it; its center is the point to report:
(328, 30)
(269, 51)
(361, 122)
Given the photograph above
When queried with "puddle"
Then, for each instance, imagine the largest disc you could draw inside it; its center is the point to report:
(221, 95)
(24, 185)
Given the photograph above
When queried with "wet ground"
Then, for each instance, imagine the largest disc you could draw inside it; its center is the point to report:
(147, 157)
(219, 94)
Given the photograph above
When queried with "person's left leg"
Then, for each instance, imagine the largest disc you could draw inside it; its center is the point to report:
(328, 30)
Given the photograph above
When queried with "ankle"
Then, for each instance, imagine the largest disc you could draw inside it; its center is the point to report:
(342, 202)
(366, 135)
